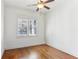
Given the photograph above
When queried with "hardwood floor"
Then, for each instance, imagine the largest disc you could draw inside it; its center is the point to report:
(36, 52)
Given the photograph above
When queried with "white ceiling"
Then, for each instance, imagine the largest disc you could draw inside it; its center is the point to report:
(24, 3)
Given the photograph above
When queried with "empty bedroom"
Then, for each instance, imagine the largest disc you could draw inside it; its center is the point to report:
(39, 29)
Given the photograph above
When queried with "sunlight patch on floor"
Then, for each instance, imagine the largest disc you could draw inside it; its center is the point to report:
(33, 55)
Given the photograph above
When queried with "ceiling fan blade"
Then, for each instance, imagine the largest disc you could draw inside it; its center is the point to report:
(37, 9)
(48, 1)
(40, 1)
(46, 7)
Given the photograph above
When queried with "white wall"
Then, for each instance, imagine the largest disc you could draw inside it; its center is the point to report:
(61, 26)
(11, 17)
(2, 27)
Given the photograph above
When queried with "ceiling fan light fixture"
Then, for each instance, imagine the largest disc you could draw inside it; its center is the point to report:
(40, 5)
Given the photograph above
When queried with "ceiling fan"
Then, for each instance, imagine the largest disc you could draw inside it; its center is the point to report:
(42, 4)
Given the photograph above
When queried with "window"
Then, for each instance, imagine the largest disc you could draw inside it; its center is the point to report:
(33, 27)
(26, 27)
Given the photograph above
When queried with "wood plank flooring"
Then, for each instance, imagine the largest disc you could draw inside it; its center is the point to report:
(36, 52)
